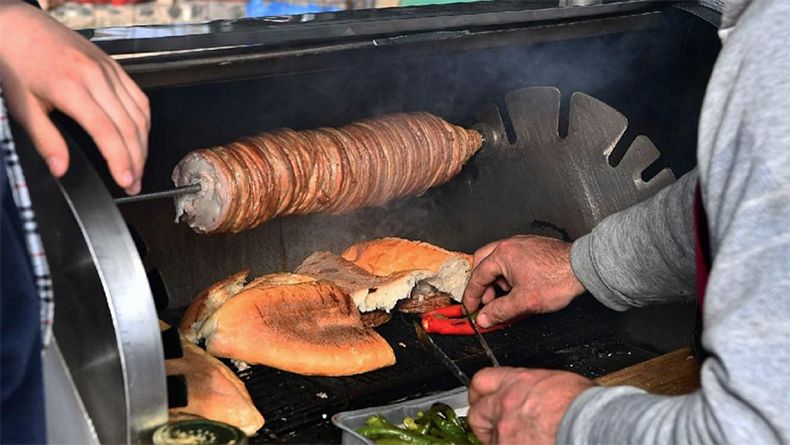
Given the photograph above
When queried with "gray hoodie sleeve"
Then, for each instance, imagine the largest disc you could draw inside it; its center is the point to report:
(744, 171)
(644, 254)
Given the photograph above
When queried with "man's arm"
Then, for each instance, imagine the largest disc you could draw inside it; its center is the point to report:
(744, 164)
(642, 255)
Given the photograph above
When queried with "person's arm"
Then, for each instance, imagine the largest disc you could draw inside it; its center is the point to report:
(644, 254)
(744, 163)
(641, 255)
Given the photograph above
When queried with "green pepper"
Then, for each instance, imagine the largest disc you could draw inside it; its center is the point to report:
(450, 427)
(425, 422)
(377, 432)
(390, 441)
(377, 420)
(437, 425)
(450, 431)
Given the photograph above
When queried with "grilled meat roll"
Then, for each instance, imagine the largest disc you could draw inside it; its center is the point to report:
(333, 170)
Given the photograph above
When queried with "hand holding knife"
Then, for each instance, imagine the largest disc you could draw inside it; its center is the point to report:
(480, 338)
(428, 343)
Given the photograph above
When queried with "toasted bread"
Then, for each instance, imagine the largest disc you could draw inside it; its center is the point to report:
(208, 301)
(385, 256)
(213, 391)
(296, 324)
(369, 292)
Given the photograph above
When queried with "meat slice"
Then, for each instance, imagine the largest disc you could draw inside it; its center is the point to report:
(424, 298)
(207, 210)
(375, 319)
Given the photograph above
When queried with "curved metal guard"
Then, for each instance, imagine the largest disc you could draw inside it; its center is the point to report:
(568, 181)
(105, 322)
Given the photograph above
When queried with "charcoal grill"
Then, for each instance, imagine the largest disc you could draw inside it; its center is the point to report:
(649, 61)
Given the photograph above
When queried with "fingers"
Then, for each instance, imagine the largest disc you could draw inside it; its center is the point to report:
(501, 309)
(114, 112)
(124, 114)
(486, 381)
(484, 406)
(82, 106)
(482, 417)
(45, 136)
(483, 252)
(140, 99)
(482, 277)
(503, 284)
(135, 104)
(488, 295)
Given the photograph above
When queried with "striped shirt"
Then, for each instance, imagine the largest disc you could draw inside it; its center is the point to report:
(35, 248)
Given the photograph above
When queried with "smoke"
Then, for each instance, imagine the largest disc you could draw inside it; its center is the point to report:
(654, 75)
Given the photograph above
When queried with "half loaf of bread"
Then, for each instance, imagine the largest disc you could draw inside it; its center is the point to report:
(213, 391)
(369, 292)
(449, 271)
(298, 324)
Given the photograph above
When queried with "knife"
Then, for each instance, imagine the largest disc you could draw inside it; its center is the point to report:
(480, 338)
(428, 343)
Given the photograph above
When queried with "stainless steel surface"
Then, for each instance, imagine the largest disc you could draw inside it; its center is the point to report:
(427, 342)
(566, 3)
(492, 198)
(177, 191)
(480, 338)
(67, 419)
(572, 171)
(105, 322)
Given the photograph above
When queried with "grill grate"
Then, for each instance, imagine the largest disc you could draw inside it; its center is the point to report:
(298, 409)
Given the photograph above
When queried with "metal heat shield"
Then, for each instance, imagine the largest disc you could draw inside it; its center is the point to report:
(108, 357)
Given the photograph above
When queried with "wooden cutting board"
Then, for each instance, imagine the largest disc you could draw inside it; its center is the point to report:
(674, 373)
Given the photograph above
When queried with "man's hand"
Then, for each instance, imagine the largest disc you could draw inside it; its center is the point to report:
(535, 272)
(521, 406)
(46, 66)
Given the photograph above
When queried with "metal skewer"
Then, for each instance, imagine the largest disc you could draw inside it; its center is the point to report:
(480, 338)
(183, 190)
(427, 342)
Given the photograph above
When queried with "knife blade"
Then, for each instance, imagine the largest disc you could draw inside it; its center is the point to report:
(427, 342)
(480, 338)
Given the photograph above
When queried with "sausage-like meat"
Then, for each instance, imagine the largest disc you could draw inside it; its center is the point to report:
(334, 170)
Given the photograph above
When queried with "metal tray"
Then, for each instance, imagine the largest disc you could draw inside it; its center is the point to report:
(349, 421)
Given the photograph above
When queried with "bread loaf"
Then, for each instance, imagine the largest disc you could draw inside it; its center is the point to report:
(213, 391)
(297, 324)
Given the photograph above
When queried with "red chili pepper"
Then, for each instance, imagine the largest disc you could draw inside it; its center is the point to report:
(450, 320)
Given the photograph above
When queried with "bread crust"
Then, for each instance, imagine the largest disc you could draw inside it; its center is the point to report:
(385, 256)
(213, 391)
(299, 325)
(207, 301)
(448, 271)
(369, 292)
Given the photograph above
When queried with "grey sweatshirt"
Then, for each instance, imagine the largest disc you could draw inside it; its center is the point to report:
(645, 255)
